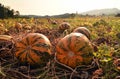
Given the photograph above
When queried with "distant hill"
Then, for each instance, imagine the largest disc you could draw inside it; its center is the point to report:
(30, 16)
(66, 15)
(111, 11)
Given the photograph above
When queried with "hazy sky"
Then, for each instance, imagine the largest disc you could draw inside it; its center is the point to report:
(55, 7)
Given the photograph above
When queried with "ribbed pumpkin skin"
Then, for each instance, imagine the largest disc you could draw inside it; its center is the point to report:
(83, 30)
(74, 49)
(34, 49)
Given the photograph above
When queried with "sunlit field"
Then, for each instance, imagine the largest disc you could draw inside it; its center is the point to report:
(104, 35)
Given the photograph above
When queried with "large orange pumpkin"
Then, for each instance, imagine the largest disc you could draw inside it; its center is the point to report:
(83, 30)
(74, 49)
(34, 49)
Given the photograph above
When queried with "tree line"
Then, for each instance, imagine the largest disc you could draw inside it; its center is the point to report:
(118, 15)
(6, 12)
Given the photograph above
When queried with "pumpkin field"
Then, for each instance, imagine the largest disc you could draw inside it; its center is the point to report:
(53, 48)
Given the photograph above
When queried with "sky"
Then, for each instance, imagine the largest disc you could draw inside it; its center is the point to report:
(56, 7)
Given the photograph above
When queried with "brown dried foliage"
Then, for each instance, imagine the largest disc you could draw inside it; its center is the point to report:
(11, 68)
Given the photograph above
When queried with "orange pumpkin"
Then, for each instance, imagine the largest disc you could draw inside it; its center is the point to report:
(6, 43)
(5, 38)
(83, 30)
(34, 49)
(64, 26)
(74, 49)
(18, 26)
